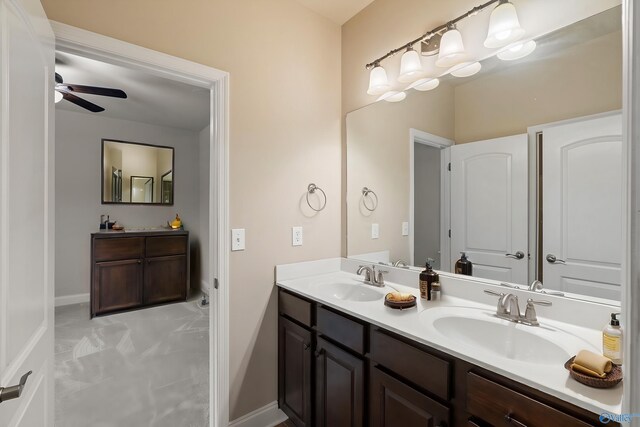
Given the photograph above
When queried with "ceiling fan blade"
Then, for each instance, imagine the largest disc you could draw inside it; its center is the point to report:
(81, 102)
(94, 90)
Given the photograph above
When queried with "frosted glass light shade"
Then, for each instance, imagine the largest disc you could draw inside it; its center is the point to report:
(466, 69)
(504, 26)
(451, 49)
(410, 66)
(517, 50)
(57, 96)
(424, 84)
(378, 81)
(392, 96)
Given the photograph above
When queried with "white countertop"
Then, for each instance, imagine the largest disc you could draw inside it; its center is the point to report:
(551, 378)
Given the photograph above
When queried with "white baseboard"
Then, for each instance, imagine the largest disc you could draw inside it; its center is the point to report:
(72, 299)
(267, 416)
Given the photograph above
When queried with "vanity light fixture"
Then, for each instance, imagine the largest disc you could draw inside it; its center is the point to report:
(378, 81)
(451, 48)
(431, 46)
(504, 26)
(466, 69)
(392, 96)
(424, 84)
(410, 66)
(57, 96)
(517, 50)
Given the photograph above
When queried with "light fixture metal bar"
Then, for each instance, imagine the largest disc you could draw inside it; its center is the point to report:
(433, 32)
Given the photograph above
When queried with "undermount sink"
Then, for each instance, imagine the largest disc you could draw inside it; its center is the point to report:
(480, 330)
(350, 291)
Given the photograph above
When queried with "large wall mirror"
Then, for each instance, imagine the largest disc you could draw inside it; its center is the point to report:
(519, 166)
(137, 173)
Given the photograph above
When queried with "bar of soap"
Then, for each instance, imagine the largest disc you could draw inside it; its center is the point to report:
(592, 364)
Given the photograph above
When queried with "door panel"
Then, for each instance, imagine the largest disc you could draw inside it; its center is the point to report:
(582, 206)
(165, 279)
(489, 216)
(294, 376)
(26, 211)
(117, 285)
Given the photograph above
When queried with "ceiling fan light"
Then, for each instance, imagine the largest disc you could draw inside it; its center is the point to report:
(517, 50)
(504, 26)
(451, 49)
(466, 69)
(392, 96)
(424, 84)
(410, 66)
(378, 81)
(57, 96)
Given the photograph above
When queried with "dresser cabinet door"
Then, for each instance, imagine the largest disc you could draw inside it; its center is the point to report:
(117, 285)
(339, 387)
(395, 404)
(294, 372)
(165, 279)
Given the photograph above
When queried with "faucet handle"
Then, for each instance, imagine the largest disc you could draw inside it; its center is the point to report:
(380, 277)
(539, 302)
(530, 315)
(494, 293)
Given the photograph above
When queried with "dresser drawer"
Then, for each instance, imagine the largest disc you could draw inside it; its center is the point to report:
(118, 248)
(166, 245)
(296, 308)
(502, 406)
(341, 329)
(423, 369)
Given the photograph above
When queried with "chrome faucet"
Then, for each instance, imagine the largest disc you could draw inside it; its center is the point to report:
(536, 286)
(400, 263)
(371, 276)
(509, 309)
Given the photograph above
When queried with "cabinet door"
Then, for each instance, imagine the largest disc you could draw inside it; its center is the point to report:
(117, 285)
(294, 376)
(395, 404)
(165, 279)
(339, 387)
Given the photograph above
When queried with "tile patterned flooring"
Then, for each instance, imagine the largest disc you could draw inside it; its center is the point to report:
(142, 368)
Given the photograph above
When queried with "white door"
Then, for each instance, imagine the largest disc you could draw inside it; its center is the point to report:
(26, 212)
(489, 217)
(582, 207)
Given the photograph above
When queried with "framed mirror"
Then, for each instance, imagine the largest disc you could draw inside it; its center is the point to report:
(137, 173)
(519, 166)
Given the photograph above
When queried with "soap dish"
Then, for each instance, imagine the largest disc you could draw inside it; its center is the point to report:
(392, 302)
(612, 378)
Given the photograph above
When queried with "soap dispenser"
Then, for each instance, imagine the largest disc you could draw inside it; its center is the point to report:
(427, 278)
(463, 265)
(612, 340)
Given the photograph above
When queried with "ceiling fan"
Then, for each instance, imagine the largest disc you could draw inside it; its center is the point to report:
(67, 91)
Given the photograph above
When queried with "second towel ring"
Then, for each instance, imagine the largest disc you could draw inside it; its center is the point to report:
(311, 189)
(365, 193)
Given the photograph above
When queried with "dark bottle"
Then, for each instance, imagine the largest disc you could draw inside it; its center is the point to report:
(427, 277)
(464, 266)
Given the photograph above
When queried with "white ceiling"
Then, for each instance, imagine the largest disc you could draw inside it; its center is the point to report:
(151, 99)
(339, 11)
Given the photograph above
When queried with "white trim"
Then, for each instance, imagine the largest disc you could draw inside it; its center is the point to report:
(97, 46)
(71, 299)
(204, 287)
(420, 137)
(267, 416)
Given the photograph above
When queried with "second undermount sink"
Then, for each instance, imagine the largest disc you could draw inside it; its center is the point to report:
(481, 331)
(351, 290)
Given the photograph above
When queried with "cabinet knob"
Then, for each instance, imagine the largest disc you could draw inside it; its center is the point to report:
(139, 261)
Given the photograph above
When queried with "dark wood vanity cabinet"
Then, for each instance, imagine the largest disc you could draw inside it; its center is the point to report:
(133, 270)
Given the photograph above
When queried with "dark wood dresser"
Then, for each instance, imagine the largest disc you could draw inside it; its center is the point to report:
(132, 270)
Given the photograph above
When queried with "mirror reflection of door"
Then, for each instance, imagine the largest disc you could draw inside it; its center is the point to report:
(141, 189)
(116, 185)
(167, 188)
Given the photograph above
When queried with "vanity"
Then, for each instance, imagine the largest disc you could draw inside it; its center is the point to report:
(131, 270)
(345, 359)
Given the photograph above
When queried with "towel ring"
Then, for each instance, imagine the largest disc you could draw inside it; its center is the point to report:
(366, 192)
(311, 189)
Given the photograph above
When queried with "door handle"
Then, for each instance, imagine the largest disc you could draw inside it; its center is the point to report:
(517, 255)
(14, 392)
(551, 258)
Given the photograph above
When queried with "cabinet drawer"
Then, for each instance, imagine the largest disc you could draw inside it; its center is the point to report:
(166, 245)
(294, 307)
(501, 406)
(423, 369)
(347, 332)
(118, 248)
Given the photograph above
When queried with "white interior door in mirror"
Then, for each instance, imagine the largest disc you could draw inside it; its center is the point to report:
(26, 212)
(489, 194)
(583, 190)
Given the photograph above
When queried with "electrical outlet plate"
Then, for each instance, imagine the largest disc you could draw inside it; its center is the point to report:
(296, 236)
(237, 239)
(405, 228)
(375, 231)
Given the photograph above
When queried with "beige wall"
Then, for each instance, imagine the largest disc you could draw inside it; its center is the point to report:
(284, 62)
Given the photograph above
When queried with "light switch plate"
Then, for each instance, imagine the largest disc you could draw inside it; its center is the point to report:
(375, 231)
(237, 239)
(296, 236)
(405, 228)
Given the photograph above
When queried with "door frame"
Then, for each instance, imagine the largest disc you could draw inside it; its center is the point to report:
(420, 137)
(96, 46)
